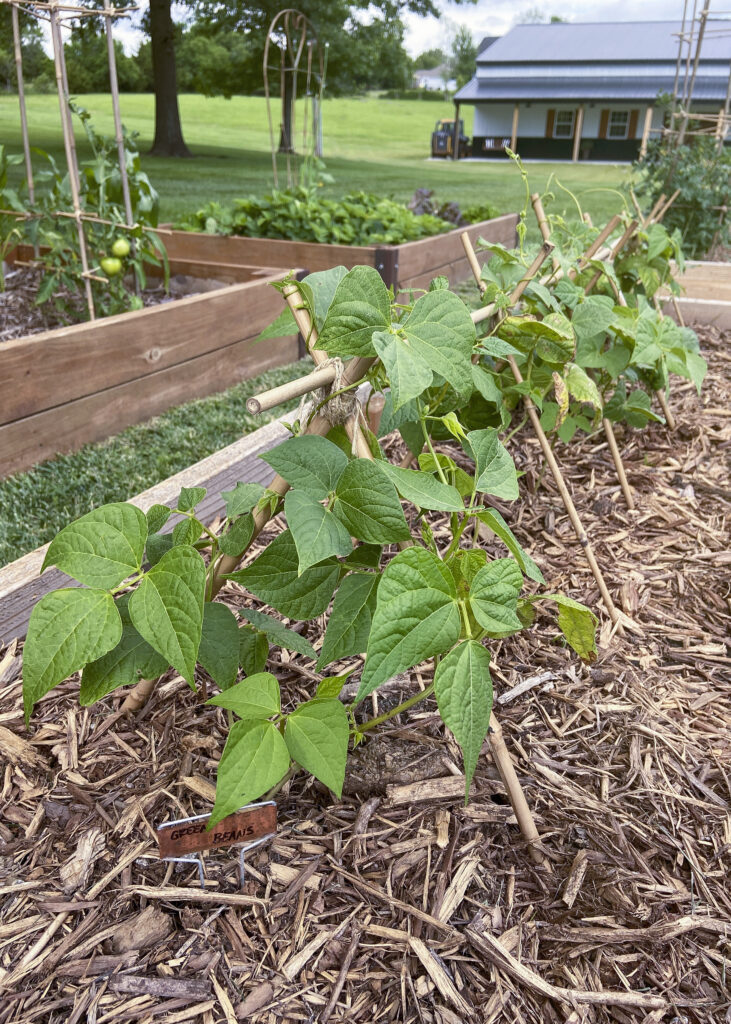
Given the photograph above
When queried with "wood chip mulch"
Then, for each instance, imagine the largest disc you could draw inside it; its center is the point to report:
(398, 903)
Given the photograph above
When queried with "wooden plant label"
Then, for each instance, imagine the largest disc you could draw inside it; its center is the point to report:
(179, 838)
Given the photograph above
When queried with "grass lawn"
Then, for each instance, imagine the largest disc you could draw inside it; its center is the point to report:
(372, 144)
(35, 505)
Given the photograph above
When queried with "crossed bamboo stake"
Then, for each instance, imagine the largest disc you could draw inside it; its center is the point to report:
(483, 314)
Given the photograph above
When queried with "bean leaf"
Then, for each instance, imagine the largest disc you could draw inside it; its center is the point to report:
(310, 463)
(316, 735)
(254, 759)
(102, 548)
(494, 596)
(350, 620)
(463, 688)
(219, 647)
(367, 503)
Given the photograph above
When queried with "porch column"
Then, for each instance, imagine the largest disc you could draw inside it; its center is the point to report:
(577, 132)
(514, 133)
(646, 131)
(455, 134)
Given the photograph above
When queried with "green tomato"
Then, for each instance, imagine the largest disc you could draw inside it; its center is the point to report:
(121, 247)
(111, 266)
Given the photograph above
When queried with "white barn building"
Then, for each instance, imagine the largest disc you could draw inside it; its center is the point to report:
(585, 91)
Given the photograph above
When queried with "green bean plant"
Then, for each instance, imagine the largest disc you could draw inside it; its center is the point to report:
(359, 546)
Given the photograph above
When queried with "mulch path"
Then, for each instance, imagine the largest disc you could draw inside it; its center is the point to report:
(398, 903)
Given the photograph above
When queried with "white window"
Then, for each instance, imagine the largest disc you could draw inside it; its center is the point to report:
(618, 124)
(563, 126)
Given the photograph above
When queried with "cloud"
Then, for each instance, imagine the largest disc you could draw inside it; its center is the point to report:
(495, 17)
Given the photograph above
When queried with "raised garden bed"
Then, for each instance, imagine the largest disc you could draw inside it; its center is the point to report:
(63, 388)
(707, 295)
(410, 265)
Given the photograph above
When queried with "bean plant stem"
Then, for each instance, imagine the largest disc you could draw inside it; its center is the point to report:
(380, 719)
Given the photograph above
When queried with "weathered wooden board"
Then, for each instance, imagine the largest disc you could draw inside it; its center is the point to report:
(430, 256)
(20, 583)
(702, 311)
(707, 280)
(32, 439)
(48, 370)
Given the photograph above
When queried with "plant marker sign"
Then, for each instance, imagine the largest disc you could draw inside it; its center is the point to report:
(185, 839)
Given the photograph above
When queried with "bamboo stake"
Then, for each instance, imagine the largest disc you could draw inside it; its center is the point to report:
(73, 169)
(654, 211)
(665, 207)
(606, 424)
(506, 768)
(292, 389)
(119, 134)
(616, 249)
(487, 311)
(596, 245)
(561, 484)
(21, 102)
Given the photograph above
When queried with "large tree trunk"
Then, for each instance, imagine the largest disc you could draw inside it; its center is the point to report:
(169, 139)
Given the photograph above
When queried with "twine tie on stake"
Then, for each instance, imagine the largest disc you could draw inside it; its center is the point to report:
(341, 404)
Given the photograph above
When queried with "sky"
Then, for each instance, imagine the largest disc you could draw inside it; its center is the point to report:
(495, 17)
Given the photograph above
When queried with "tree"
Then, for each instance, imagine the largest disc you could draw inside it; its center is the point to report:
(430, 59)
(334, 20)
(463, 56)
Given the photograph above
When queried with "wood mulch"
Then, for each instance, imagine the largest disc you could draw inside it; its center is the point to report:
(398, 903)
(20, 317)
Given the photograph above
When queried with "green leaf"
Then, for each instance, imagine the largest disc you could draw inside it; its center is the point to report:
(495, 522)
(253, 650)
(350, 620)
(697, 368)
(408, 374)
(284, 326)
(316, 735)
(577, 623)
(187, 531)
(219, 647)
(167, 608)
(256, 697)
(157, 545)
(278, 633)
(317, 533)
(486, 384)
(595, 315)
(189, 498)
(360, 306)
(463, 688)
(441, 332)
(310, 463)
(552, 338)
(274, 578)
(367, 503)
(416, 617)
(131, 660)
(242, 499)
(365, 556)
(157, 516)
(581, 386)
(496, 472)
(68, 629)
(332, 686)
(236, 539)
(422, 490)
(322, 286)
(102, 548)
(494, 596)
(254, 759)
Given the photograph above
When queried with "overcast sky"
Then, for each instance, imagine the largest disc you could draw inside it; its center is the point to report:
(495, 17)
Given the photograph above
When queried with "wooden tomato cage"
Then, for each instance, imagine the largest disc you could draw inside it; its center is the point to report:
(63, 388)
(410, 265)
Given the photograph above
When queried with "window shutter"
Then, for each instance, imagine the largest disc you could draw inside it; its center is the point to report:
(550, 118)
(632, 131)
(603, 124)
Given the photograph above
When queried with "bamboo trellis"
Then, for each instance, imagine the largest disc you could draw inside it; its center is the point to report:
(57, 14)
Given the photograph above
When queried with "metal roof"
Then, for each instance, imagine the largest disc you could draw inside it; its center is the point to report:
(623, 89)
(613, 41)
(596, 61)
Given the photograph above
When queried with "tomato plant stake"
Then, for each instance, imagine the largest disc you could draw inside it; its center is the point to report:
(606, 424)
(73, 169)
(558, 477)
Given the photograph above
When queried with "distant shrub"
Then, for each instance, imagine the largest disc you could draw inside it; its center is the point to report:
(430, 96)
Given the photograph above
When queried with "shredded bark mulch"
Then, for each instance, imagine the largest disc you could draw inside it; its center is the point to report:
(20, 316)
(398, 903)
